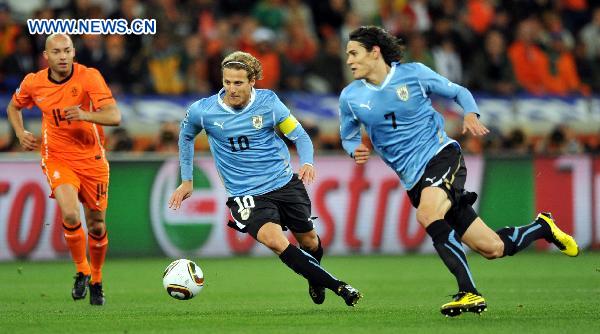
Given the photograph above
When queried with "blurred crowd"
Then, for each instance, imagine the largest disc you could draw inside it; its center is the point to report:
(539, 47)
(500, 47)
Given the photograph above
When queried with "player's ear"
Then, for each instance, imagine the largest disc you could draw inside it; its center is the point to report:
(45, 54)
(376, 50)
(252, 82)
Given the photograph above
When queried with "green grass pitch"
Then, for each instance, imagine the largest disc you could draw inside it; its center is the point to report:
(529, 293)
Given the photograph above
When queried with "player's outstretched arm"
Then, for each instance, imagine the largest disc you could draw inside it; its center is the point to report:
(361, 154)
(182, 192)
(107, 115)
(26, 138)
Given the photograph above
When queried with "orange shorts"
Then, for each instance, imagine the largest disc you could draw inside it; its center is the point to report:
(91, 183)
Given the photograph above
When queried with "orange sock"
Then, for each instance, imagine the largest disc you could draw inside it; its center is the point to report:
(75, 238)
(97, 247)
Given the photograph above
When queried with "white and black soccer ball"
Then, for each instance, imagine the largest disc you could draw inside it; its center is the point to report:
(183, 279)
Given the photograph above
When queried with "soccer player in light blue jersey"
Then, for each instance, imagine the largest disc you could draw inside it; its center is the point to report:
(392, 101)
(265, 196)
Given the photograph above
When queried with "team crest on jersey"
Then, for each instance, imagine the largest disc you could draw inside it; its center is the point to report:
(74, 91)
(257, 122)
(402, 93)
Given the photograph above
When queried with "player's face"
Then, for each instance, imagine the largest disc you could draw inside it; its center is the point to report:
(237, 87)
(360, 60)
(59, 54)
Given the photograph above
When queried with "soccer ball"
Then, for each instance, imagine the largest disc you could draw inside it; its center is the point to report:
(183, 279)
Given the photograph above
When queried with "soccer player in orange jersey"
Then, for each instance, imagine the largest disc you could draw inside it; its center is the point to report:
(74, 101)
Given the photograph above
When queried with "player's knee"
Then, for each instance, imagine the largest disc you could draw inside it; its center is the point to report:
(71, 217)
(426, 216)
(97, 228)
(310, 243)
(276, 243)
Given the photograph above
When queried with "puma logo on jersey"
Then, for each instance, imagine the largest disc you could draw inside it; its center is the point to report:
(39, 99)
(367, 106)
(56, 175)
(219, 125)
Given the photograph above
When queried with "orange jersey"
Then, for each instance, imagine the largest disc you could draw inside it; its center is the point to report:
(72, 141)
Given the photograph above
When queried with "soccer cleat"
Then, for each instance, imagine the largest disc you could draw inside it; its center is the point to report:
(464, 302)
(317, 293)
(80, 286)
(350, 294)
(560, 239)
(96, 294)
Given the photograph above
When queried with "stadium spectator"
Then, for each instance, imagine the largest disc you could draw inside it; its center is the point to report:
(194, 66)
(327, 69)
(9, 31)
(299, 50)
(263, 49)
(429, 164)
(120, 140)
(266, 197)
(491, 70)
(447, 61)
(18, 64)
(117, 65)
(590, 35)
(418, 51)
(74, 100)
(164, 63)
(270, 14)
(529, 61)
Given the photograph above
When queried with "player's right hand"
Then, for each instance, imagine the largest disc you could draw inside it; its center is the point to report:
(28, 141)
(181, 193)
(361, 154)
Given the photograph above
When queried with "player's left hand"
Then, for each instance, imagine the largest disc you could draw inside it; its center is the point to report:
(472, 124)
(307, 173)
(74, 113)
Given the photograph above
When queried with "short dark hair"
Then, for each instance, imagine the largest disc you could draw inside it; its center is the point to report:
(370, 36)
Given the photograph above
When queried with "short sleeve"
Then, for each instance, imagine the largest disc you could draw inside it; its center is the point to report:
(22, 97)
(97, 89)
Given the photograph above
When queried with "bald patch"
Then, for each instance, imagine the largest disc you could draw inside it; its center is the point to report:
(57, 37)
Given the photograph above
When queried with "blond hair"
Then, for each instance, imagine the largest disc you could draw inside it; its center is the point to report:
(243, 61)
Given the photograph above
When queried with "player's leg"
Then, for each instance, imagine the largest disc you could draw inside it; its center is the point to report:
(68, 202)
(271, 235)
(97, 245)
(511, 240)
(94, 195)
(432, 208)
(311, 243)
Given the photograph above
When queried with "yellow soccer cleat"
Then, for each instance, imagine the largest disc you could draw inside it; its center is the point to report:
(464, 302)
(563, 241)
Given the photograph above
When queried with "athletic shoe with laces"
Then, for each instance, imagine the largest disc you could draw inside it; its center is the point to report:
(464, 302)
(317, 293)
(96, 294)
(560, 239)
(80, 286)
(350, 294)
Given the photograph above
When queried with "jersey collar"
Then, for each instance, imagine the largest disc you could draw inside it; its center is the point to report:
(63, 80)
(231, 110)
(388, 77)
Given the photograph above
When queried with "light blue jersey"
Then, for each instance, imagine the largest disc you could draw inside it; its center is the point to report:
(249, 155)
(398, 116)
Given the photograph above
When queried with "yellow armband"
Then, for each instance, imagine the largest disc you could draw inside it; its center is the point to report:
(288, 125)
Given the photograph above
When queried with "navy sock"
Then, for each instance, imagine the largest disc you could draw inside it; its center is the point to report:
(318, 253)
(450, 250)
(518, 238)
(307, 266)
